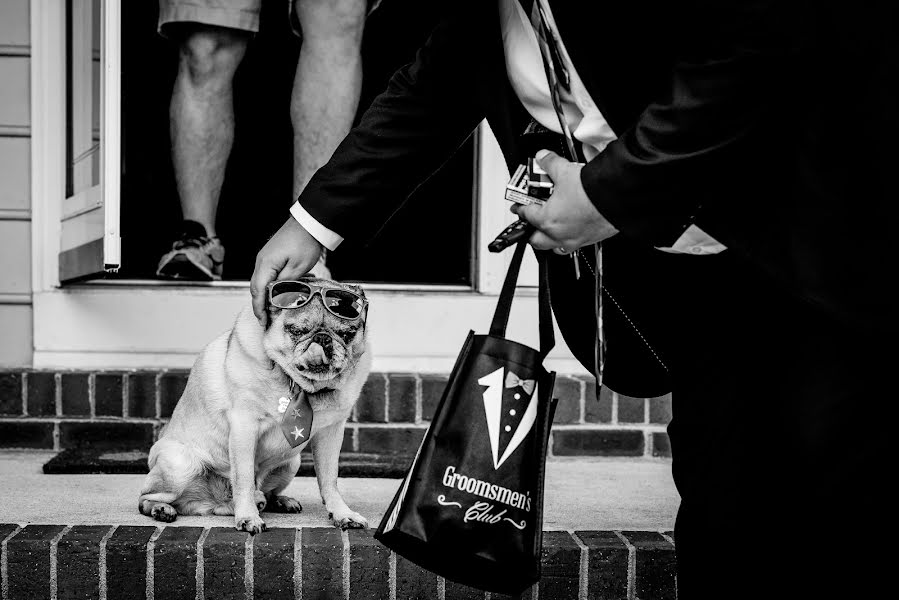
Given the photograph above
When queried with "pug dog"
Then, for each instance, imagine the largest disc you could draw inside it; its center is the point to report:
(226, 450)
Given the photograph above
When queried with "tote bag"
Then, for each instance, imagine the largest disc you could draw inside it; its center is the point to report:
(471, 506)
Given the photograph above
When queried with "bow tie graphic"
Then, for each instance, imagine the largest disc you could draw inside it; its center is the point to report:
(512, 380)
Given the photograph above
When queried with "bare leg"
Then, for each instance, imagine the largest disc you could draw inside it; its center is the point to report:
(202, 118)
(327, 82)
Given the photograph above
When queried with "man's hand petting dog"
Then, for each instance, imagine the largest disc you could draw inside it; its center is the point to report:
(224, 451)
(568, 219)
(289, 254)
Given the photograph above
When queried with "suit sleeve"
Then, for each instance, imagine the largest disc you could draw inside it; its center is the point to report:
(700, 141)
(428, 110)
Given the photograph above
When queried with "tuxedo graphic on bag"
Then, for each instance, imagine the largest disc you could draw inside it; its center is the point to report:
(471, 506)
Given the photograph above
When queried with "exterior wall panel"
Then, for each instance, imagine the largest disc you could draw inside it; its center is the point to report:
(14, 26)
(16, 341)
(14, 93)
(15, 176)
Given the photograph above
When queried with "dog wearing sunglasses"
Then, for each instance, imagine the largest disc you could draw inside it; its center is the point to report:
(224, 451)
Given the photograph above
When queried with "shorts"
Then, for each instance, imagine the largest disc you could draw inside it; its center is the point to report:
(233, 14)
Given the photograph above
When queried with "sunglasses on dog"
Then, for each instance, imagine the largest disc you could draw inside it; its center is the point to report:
(339, 302)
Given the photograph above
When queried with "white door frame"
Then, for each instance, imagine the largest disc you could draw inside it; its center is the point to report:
(134, 324)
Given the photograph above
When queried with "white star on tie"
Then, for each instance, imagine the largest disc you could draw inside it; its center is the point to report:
(297, 433)
(297, 413)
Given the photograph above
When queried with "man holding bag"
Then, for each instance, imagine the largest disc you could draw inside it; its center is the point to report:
(736, 160)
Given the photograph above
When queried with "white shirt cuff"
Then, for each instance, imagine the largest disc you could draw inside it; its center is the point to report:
(325, 236)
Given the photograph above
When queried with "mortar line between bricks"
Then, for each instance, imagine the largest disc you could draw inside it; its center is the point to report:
(582, 401)
(57, 393)
(418, 398)
(614, 416)
(441, 588)
(652, 427)
(126, 391)
(345, 563)
(151, 572)
(249, 583)
(201, 566)
(54, 546)
(24, 394)
(92, 394)
(386, 397)
(667, 537)
(298, 565)
(56, 446)
(399, 425)
(82, 419)
(583, 584)
(101, 567)
(631, 566)
(157, 394)
(391, 575)
(4, 566)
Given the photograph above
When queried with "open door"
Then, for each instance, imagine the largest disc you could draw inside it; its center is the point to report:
(90, 243)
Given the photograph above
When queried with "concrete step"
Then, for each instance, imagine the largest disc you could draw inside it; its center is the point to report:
(607, 525)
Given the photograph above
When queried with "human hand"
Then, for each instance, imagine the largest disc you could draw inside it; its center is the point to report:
(290, 254)
(568, 220)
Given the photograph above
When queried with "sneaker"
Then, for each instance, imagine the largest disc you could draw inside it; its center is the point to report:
(194, 256)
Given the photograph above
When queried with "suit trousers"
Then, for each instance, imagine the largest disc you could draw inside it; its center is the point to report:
(778, 438)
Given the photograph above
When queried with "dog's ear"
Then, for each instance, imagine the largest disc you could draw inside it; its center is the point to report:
(358, 289)
(273, 312)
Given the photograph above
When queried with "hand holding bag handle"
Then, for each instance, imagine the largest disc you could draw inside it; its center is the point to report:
(504, 306)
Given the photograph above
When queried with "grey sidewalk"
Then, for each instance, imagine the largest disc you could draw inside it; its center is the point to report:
(582, 493)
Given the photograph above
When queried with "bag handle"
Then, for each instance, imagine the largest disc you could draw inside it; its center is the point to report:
(504, 306)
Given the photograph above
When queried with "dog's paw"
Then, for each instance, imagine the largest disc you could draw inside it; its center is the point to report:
(251, 525)
(164, 512)
(259, 499)
(284, 504)
(348, 520)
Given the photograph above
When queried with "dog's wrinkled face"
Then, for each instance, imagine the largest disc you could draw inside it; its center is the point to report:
(312, 345)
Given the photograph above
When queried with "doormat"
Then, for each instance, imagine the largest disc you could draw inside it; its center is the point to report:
(86, 461)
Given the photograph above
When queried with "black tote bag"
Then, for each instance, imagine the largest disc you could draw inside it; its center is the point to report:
(471, 506)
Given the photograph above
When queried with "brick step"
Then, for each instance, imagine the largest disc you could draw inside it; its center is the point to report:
(90, 561)
(85, 461)
(126, 410)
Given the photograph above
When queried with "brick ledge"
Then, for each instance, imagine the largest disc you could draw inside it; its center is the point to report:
(110, 561)
(125, 409)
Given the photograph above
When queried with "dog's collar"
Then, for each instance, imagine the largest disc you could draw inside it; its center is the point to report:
(293, 388)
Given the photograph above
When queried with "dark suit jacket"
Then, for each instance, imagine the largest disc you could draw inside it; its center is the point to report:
(773, 125)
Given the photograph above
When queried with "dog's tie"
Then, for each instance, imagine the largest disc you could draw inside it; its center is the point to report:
(296, 418)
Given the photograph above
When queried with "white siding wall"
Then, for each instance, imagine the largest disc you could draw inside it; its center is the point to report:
(15, 194)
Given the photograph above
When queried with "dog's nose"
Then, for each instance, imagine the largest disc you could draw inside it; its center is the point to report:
(322, 339)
